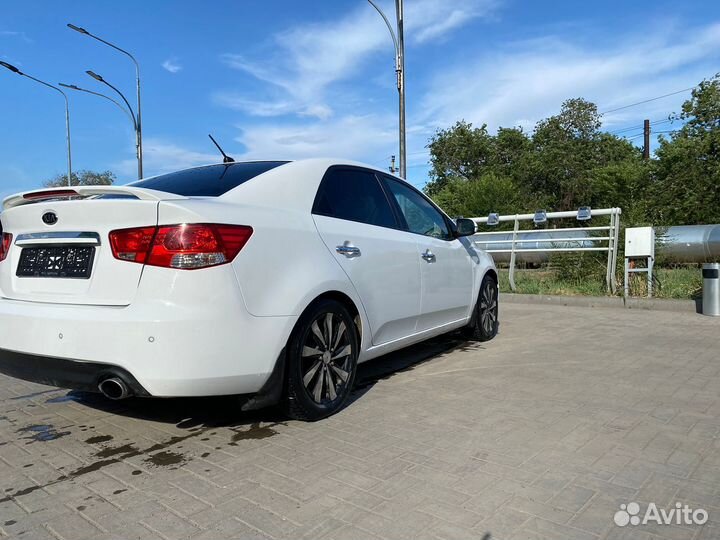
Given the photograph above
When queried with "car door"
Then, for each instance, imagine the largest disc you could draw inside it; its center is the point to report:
(446, 266)
(358, 225)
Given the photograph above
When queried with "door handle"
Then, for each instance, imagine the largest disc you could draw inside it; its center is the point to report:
(348, 250)
(429, 256)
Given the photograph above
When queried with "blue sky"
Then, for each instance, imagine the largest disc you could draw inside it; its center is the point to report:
(289, 79)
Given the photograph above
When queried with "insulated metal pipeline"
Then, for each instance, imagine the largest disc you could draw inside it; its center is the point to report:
(684, 243)
(689, 243)
(532, 240)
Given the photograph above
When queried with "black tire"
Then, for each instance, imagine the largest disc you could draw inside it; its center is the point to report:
(320, 368)
(484, 323)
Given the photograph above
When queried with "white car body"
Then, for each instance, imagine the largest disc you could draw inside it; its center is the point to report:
(221, 330)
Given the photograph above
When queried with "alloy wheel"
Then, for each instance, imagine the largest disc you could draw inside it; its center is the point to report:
(488, 307)
(327, 356)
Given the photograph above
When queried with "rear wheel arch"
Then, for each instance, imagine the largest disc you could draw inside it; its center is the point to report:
(346, 301)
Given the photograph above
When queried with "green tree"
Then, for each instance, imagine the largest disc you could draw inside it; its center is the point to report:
(686, 184)
(625, 184)
(83, 178)
(461, 151)
(568, 148)
(489, 193)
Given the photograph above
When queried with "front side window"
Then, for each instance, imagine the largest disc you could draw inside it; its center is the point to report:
(421, 216)
(354, 195)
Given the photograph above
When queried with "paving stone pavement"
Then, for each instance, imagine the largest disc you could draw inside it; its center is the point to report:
(539, 434)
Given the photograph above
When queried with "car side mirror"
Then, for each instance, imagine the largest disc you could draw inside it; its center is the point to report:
(464, 227)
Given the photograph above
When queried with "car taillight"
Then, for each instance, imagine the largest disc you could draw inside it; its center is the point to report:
(5, 247)
(132, 244)
(187, 246)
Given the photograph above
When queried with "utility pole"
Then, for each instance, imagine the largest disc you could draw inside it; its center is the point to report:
(646, 144)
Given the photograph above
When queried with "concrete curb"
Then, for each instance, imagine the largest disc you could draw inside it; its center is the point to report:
(617, 302)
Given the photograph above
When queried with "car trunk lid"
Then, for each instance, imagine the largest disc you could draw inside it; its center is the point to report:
(60, 252)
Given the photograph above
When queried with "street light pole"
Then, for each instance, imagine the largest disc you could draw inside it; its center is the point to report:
(399, 43)
(137, 118)
(67, 113)
(401, 85)
(100, 78)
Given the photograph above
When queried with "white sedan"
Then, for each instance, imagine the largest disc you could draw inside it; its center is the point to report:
(269, 278)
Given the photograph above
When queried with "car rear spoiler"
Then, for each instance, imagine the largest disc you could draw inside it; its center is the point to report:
(82, 192)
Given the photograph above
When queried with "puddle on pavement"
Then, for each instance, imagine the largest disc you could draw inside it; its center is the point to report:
(126, 450)
(255, 431)
(41, 433)
(166, 458)
(98, 439)
(160, 454)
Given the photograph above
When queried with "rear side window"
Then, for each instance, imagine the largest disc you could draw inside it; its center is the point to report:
(209, 181)
(354, 195)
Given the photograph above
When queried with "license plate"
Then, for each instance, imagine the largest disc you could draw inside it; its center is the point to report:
(56, 262)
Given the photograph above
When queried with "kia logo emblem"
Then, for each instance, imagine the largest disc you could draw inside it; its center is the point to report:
(49, 218)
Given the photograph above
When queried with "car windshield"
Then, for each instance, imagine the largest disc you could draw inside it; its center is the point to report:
(208, 181)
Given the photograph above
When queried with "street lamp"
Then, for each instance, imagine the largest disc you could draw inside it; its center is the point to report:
(399, 42)
(136, 119)
(117, 103)
(67, 113)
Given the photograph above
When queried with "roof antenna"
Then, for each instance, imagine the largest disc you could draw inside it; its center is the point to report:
(226, 158)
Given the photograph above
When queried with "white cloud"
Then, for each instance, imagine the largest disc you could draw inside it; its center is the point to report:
(172, 65)
(527, 81)
(162, 156)
(350, 137)
(430, 19)
(303, 61)
(254, 107)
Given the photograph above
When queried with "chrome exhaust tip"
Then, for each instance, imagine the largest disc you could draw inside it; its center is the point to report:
(114, 388)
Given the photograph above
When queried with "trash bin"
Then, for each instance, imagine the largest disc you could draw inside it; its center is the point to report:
(711, 289)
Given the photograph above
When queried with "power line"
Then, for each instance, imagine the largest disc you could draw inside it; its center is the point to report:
(632, 128)
(378, 163)
(647, 100)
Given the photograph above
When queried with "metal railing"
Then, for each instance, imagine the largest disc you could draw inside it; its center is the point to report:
(559, 240)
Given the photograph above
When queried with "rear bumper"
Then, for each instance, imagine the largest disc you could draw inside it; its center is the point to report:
(188, 334)
(63, 372)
